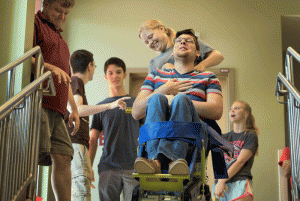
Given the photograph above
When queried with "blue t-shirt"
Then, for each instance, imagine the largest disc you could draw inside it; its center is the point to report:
(121, 134)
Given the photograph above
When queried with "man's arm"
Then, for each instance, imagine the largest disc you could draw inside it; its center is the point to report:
(172, 87)
(94, 136)
(213, 58)
(56, 72)
(87, 110)
(212, 109)
(74, 117)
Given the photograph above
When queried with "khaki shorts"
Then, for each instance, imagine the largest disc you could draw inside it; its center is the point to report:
(54, 138)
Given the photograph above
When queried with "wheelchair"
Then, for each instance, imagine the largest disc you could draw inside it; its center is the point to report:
(189, 187)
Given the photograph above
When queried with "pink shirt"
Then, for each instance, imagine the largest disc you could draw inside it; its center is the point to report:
(56, 52)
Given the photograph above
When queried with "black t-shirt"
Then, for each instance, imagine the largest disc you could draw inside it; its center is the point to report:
(121, 134)
(82, 136)
(241, 141)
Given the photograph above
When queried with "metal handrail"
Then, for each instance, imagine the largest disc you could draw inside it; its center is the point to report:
(285, 87)
(27, 90)
(20, 119)
(289, 70)
(290, 89)
(11, 67)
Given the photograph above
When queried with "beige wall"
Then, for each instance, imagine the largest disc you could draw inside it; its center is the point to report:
(247, 32)
(16, 33)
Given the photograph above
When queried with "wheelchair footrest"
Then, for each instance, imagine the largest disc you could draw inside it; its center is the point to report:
(161, 182)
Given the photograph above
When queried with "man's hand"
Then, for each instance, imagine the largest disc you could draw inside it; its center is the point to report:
(168, 66)
(61, 75)
(74, 117)
(173, 87)
(219, 189)
(119, 103)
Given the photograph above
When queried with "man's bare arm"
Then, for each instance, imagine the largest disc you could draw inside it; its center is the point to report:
(212, 109)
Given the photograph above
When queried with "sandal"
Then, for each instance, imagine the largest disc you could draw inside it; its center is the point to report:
(146, 166)
(179, 167)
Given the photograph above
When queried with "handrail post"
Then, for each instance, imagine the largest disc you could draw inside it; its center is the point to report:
(11, 83)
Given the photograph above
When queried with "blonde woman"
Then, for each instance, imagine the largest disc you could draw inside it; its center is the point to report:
(238, 186)
(161, 39)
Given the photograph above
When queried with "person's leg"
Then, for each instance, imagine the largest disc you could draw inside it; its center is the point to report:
(81, 174)
(129, 183)
(45, 138)
(61, 156)
(61, 176)
(157, 109)
(110, 185)
(248, 198)
(183, 110)
(240, 190)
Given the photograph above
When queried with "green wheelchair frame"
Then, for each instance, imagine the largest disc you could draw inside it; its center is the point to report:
(171, 187)
(181, 187)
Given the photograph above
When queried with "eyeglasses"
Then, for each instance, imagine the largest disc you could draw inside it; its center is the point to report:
(187, 40)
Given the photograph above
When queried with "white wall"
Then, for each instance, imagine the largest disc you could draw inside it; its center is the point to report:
(247, 32)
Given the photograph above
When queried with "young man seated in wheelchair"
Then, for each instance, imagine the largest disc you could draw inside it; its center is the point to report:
(181, 94)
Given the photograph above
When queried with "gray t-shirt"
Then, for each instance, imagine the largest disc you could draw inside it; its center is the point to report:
(166, 57)
(241, 141)
(121, 134)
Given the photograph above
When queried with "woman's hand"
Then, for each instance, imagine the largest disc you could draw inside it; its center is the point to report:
(220, 187)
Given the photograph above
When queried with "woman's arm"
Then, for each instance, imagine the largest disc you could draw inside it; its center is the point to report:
(213, 58)
(244, 156)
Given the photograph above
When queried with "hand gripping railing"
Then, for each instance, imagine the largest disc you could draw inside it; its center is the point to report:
(285, 87)
(20, 119)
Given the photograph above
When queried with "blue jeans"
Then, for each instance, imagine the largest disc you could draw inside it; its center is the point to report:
(81, 174)
(158, 109)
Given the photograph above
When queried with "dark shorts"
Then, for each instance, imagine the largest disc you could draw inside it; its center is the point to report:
(54, 138)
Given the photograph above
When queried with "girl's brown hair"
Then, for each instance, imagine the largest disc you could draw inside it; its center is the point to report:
(250, 121)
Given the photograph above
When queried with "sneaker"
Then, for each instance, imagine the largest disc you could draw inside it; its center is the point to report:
(180, 166)
(146, 166)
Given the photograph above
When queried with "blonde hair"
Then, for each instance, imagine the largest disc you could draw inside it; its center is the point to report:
(155, 24)
(250, 121)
